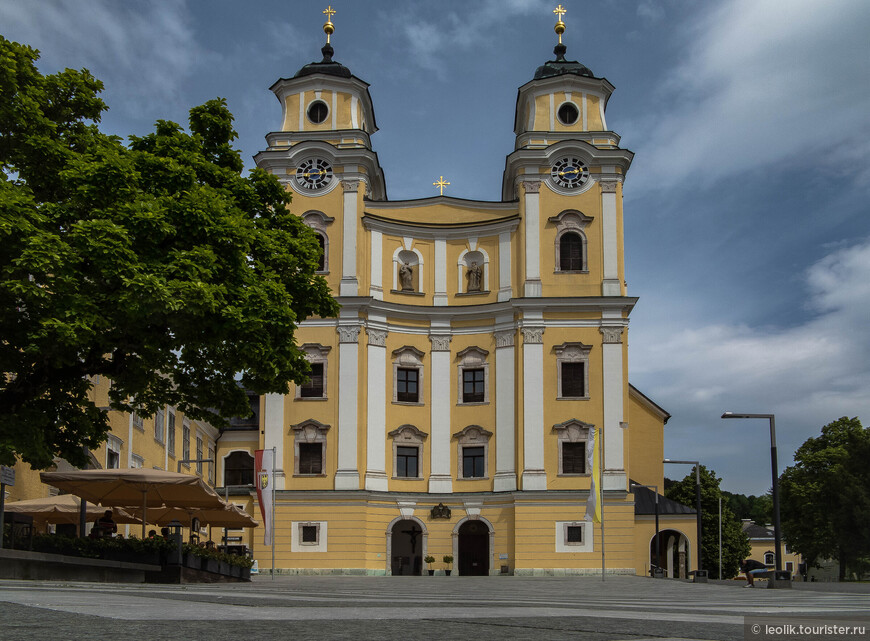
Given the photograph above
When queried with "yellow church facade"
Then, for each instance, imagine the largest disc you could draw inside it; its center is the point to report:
(478, 348)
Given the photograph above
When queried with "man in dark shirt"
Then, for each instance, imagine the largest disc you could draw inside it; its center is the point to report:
(105, 525)
(751, 567)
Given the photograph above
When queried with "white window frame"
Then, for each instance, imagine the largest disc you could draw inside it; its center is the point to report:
(137, 461)
(316, 353)
(571, 220)
(185, 443)
(159, 425)
(309, 431)
(318, 221)
(113, 445)
(138, 422)
(572, 431)
(408, 436)
(408, 357)
(296, 544)
(199, 450)
(472, 358)
(562, 544)
(472, 436)
(572, 353)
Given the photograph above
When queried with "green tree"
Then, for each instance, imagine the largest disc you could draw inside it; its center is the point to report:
(825, 496)
(735, 544)
(157, 265)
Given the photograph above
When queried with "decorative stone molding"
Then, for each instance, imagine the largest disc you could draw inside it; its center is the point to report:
(349, 185)
(533, 335)
(608, 186)
(505, 338)
(532, 186)
(348, 333)
(377, 337)
(611, 334)
(440, 342)
(406, 508)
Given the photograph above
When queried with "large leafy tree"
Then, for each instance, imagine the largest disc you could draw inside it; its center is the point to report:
(825, 496)
(735, 544)
(156, 264)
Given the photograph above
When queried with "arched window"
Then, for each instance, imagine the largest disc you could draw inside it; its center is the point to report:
(239, 469)
(769, 558)
(570, 252)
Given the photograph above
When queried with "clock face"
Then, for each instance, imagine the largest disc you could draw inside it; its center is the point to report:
(314, 173)
(569, 173)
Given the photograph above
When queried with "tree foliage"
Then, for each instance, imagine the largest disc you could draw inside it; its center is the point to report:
(155, 264)
(825, 496)
(758, 509)
(735, 544)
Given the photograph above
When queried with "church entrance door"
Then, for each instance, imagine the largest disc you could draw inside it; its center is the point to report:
(473, 549)
(407, 549)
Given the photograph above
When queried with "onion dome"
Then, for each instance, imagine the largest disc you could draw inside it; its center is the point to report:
(561, 66)
(326, 66)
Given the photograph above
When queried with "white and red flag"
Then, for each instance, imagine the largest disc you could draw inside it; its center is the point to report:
(264, 465)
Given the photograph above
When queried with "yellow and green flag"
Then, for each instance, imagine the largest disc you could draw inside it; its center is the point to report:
(593, 504)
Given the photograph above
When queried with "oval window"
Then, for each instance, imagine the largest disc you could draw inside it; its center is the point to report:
(317, 111)
(568, 113)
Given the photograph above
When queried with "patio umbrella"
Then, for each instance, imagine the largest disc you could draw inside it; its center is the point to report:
(136, 487)
(227, 516)
(65, 508)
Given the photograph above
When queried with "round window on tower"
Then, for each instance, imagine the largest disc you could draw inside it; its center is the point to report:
(568, 113)
(317, 112)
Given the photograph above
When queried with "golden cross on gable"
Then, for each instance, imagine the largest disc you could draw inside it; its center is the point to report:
(441, 184)
(329, 28)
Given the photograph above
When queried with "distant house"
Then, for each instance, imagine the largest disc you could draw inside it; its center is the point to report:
(762, 548)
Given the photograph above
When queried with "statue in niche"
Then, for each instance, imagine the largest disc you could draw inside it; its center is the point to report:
(406, 277)
(473, 276)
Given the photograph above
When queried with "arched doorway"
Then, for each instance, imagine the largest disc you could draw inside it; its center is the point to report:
(673, 553)
(406, 548)
(473, 549)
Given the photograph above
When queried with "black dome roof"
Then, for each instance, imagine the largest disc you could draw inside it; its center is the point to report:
(560, 66)
(327, 65)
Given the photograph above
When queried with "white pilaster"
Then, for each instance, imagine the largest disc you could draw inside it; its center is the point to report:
(505, 479)
(610, 240)
(440, 477)
(534, 475)
(347, 474)
(612, 375)
(349, 285)
(532, 286)
(439, 299)
(376, 289)
(376, 420)
(273, 434)
(505, 291)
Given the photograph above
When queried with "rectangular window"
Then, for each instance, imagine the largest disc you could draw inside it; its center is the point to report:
(407, 380)
(573, 380)
(407, 459)
(310, 458)
(574, 458)
(473, 462)
(170, 436)
(574, 534)
(137, 462)
(199, 455)
(211, 465)
(314, 387)
(185, 442)
(138, 422)
(472, 385)
(789, 565)
(113, 460)
(309, 534)
(159, 421)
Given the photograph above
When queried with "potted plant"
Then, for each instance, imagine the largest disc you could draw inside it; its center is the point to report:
(429, 561)
(448, 560)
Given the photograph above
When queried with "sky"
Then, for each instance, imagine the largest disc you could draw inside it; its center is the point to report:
(746, 208)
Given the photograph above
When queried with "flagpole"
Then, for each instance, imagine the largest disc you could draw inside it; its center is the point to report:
(273, 512)
(601, 493)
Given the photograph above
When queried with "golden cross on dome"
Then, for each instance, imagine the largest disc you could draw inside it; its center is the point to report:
(560, 26)
(328, 27)
(441, 184)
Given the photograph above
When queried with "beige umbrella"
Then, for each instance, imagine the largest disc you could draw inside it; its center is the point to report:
(136, 487)
(64, 508)
(227, 516)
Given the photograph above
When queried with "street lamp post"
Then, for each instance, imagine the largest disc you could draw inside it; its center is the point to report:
(655, 489)
(697, 465)
(775, 474)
